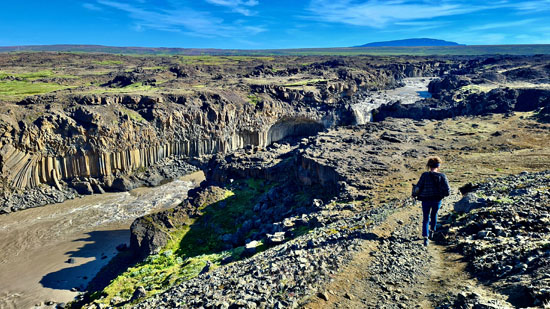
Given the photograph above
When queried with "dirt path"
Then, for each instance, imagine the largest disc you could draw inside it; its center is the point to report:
(395, 270)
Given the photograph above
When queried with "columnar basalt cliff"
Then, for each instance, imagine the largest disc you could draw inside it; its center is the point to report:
(92, 141)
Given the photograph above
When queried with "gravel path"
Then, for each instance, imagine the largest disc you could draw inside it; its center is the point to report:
(395, 270)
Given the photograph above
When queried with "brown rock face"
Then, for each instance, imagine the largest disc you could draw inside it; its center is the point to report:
(71, 137)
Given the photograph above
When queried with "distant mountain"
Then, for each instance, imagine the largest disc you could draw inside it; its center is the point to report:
(472, 50)
(411, 42)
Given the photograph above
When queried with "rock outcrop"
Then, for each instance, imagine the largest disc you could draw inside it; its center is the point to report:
(505, 238)
(104, 139)
(486, 87)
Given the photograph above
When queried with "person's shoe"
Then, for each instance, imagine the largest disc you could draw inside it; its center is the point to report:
(431, 234)
(426, 241)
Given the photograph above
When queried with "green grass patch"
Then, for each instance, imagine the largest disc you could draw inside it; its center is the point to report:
(19, 89)
(219, 218)
(135, 87)
(253, 99)
(478, 88)
(135, 116)
(138, 86)
(156, 68)
(192, 247)
(504, 200)
(108, 62)
(28, 75)
(309, 82)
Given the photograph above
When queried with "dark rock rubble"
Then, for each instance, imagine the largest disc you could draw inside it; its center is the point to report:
(505, 236)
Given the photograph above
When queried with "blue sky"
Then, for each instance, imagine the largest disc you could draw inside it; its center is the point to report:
(258, 24)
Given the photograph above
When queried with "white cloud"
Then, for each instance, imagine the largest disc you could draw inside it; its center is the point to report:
(238, 6)
(539, 5)
(183, 19)
(379, 14)
(503, 25)
(91, 7)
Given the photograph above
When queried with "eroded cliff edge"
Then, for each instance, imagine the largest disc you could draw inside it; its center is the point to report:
(120, 128)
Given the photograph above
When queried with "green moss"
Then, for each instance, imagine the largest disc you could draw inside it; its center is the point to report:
(504, 200)
(253, 99)
(219, 218)
(135, 116)
(190, 247)
(477, 88)
(141, 169)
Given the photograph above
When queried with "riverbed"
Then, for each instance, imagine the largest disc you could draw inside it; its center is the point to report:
(51, 252)
(413, 89)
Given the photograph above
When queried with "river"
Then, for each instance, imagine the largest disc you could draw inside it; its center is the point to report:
(414, 89)
(47, 251)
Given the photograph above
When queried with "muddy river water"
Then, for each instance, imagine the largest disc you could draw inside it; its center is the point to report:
(48, 251)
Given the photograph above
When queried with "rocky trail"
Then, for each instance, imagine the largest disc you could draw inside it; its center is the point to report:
(395, 270)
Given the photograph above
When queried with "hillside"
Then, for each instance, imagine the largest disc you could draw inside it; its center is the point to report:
(411, 42)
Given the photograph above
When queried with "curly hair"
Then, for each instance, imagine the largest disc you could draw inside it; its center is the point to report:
(434, 162)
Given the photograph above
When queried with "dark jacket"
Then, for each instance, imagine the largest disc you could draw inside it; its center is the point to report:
(433, 186)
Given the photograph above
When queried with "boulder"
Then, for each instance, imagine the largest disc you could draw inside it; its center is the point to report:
(123, 184)
(138, 294)
(275, 239)
(83, 187)
(251, 247)
(146, 237)
(468, 202)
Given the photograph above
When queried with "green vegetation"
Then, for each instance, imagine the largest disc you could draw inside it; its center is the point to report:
(22, 88)
(191, 247)
(253, 99)
(28, 76)
(20, 85)
(138, 86)
(308, 82)
(219, 219)
(159, 67)
(108, 62)
(504, 200)
(478, 88)
(135, 116)
(135, 87)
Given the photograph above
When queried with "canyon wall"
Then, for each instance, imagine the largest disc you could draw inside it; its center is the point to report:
(58, 139)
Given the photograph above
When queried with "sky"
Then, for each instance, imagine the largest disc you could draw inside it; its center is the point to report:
(271, 24)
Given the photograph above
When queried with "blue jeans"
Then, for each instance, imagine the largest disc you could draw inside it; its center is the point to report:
(429, 212)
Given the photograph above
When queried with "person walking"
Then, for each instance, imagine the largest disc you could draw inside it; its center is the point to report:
(431, 188)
